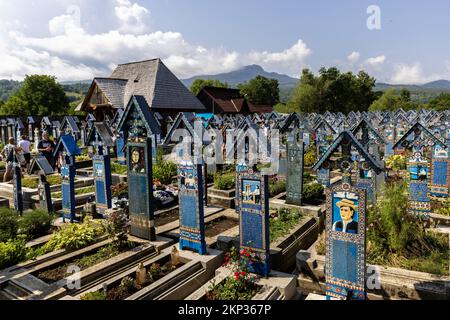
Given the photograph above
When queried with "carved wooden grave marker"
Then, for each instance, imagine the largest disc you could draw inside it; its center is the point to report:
(69, 149)
(44, 168)
(345, 223)
(294, 178)
(101, 138)
(192, 224)
(253, 203)
(135, 126)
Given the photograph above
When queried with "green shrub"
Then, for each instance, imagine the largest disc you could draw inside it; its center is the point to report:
(9, 224)
(33, 182)
(277, 187)
(82, 158)
(12, 252)
(399, 239)
(75, 236)
(282, 222)
(35, 224)
(225, 181)
(118, 168)
(313, 193)
(2, 164)
(310, 157)
(164, 171)
(96, 295)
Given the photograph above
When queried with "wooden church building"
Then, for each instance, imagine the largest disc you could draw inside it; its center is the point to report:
(151, 79)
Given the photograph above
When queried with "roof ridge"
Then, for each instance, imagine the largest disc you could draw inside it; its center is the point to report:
(135, 62)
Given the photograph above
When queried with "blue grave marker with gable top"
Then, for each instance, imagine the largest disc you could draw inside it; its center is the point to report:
(294, 177)
(136, 125)
(101, 138)
(440, 175)
(44, 168)
(69, 149)
(192, 224)
(253, 203)
(419, 202)
(420, 145)
(120, 143)
(17, 185)
(345, 223)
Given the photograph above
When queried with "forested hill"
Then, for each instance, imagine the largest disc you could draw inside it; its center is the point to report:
(74, 90)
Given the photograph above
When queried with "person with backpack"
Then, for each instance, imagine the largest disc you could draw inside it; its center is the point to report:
(8, 154)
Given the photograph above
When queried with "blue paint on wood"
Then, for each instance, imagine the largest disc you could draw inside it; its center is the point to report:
(192, 224)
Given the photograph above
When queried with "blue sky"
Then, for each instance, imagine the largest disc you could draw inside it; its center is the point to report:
(79, 39)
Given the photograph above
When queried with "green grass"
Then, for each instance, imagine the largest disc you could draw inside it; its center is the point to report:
(283, 222)
(397, 238)
(118, 168)
(33, 182)
(58, 195)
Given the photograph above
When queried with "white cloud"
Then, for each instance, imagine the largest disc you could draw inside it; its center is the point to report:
(412, 74)
(376, 61)
(71, 52)
(353, 57)
(132, 17)
(288, 61)
(67, 23)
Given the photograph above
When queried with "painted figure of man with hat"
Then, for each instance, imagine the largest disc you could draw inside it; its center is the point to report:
(347, 209)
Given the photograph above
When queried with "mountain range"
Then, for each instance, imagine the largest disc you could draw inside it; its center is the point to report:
(233, 78)
(244, 74)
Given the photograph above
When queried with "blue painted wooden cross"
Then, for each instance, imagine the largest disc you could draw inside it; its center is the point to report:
(100, 137)
(346, 223)
(192, 221)
(136, 126)
(419, 145)
(68, 148)
(253, 207)
(17, 185)
(294, 177)
(44, 168)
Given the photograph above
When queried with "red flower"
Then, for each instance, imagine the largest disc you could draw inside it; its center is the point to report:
(243, 273)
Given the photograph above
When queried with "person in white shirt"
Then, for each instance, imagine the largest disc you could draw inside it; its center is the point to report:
(25, 144)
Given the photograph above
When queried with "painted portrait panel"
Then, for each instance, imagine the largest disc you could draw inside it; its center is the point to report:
(251, 192)
(418, 171)
(187, 177)
(345, 212)
(137, 160)
(99, 170)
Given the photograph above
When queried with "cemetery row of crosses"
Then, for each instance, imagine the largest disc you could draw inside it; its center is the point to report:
(357, 208)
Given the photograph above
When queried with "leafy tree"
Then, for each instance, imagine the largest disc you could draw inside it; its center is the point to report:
(441, 102)
(39, 95)
(261, 91)
(199, 84)
(333, 91)
(391, 100)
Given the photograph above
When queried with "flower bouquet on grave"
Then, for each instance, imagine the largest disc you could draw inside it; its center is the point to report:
(241, 285)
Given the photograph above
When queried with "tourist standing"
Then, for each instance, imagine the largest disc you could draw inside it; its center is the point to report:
(25, 144)
(46, 147)
(8, 156)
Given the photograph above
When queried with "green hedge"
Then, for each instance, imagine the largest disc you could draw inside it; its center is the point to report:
(277, 187)
(313, 193)
(12, 252)
(35, 224)
(225, 181)
(9, 224)
(118, 168)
